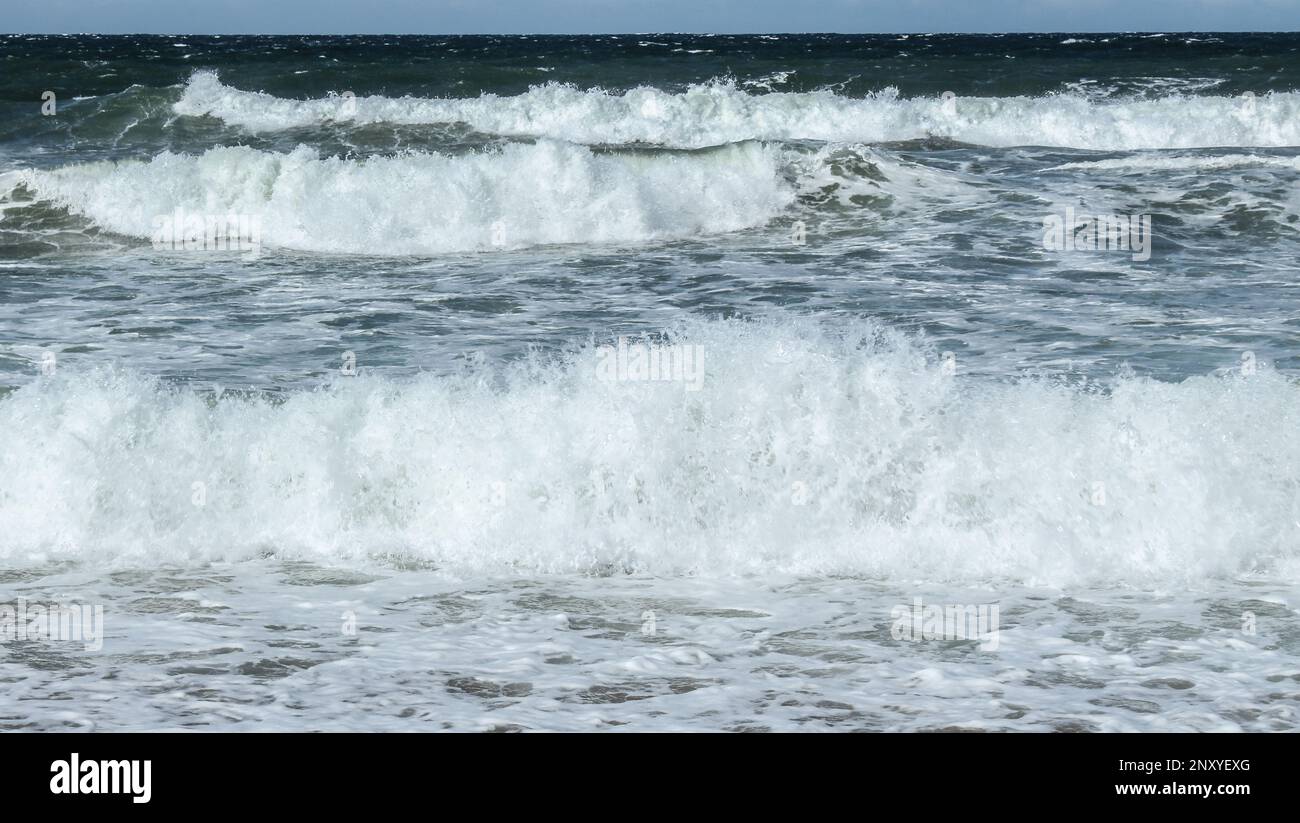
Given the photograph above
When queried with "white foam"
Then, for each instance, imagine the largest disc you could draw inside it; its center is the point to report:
(516, 196)
(1197, 163)
(806, 451)
(10, 180)
(717, 113)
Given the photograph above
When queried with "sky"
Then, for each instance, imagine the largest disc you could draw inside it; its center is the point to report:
(610, 16)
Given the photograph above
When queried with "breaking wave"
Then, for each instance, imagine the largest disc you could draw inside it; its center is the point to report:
(719, 113)
(807, 449)
(515, 196)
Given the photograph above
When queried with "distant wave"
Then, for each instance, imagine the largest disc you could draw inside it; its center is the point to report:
(718, 113)
(808, 449)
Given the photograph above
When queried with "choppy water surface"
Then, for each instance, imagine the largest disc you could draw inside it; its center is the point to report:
(372, 474)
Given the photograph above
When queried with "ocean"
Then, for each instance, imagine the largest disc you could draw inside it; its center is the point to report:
(650, 382)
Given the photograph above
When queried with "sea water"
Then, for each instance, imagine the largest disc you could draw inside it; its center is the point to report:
(651, 382)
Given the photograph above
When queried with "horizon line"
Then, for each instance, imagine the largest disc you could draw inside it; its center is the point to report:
(1169, 32)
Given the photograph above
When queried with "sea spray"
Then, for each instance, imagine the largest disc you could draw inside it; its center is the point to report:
(715, 113)
(812, 450)
(512, 197)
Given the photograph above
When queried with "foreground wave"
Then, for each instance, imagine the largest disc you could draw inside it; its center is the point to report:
(718, 113)
(806, 449)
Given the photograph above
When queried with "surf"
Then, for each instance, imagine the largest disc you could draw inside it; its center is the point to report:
(815, 448)
(510, 197)
(720, 112)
